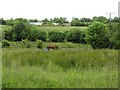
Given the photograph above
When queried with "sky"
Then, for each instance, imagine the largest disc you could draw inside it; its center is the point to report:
(40, 9)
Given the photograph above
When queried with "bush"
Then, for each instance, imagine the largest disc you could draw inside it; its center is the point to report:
(35, 34)
(98, 35)
(76, 36)
(26, 43)
(114, 36)
(5, 43)
(39, 44)
(8, 35)
(56, 36)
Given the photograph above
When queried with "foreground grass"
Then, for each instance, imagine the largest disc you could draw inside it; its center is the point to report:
(55, 77)
(32, 68)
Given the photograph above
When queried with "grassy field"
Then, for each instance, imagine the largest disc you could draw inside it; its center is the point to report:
(70, 68)
(50, 28)
(59, 28)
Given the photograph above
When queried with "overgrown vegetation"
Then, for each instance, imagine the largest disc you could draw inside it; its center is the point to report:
(34, 68)
(86, 56)
(76, 36)
(5, 43)
(39, 44)
(98, 34)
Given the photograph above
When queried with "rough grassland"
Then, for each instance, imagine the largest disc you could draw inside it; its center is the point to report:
(59, 28)
(70, 68)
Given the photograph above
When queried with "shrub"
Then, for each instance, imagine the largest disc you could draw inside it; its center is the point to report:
(5, 43)
(35, 34)
(75, 36)
(114, 36)
(39, 44)
(7, 34)
(41, 35)
(26, 43)
(56, 36)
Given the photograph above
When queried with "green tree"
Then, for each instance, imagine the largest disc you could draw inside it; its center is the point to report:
(35, 34)
(33, 20)
(56, 36)
(76, 36)
(75, 22)
(85, 20)
(100, 19)
(2, 21)
(19, 31)
(46, 22)
(60, 20)
(21, 20)
(114, 35)
(7, 34)
(10, 22)
(98, 35)
(116, 19)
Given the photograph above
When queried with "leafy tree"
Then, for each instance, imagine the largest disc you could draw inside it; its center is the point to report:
(19, 31)
(56, 36)
(35, 34)
(46, 22)
(13, 21)
(21, 20)
(10, 22)
(75, 22)
(85, 20)
(98, 35)
(114, 35)
(7, 34)
(116, 19)
(33, 20)
(60, 20)
(76, 36)
(2, 21)
(100, 19)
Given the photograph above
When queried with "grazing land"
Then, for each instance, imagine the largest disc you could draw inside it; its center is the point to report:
(72, 65)
(75, 67)
(59, 28)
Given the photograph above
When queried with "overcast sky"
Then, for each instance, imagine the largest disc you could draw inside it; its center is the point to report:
(41, 9)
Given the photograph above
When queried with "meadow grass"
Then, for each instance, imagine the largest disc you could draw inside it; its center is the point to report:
(70, 68)
(55, 77)
(59, 28)
(49, 28)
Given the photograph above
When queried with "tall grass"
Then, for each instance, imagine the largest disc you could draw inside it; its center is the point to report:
(60, 68)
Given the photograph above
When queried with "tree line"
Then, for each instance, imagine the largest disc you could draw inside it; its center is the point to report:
(61, 21)
(98, 34)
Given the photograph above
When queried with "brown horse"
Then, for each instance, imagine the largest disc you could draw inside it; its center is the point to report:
(52, 47)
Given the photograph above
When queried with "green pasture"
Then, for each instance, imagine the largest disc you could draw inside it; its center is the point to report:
(63, 68)
(50, 28)
(70, 66)
(59, 28)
